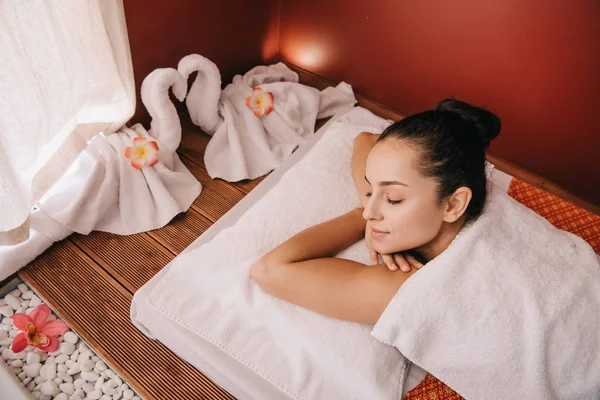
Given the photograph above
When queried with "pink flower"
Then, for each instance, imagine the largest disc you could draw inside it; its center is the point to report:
(260, 102)
(143, 152)
(37, 330)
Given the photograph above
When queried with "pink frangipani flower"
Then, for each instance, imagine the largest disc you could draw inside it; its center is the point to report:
(37, 330)
(143, 152)
(260, 102)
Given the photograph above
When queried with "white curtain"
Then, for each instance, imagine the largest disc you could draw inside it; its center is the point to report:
(65, 75)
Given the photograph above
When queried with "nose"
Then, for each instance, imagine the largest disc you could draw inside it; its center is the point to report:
(371, 211)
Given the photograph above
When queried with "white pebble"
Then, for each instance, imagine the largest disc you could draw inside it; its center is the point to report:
(15, 293)
(109, 373)
(38, 387)
(99, 383)
(22, 287)
(5, 342)
(128, 394)
(118, 380)
(26, 381)
(62, 396)
(7, 311)
(75, 355)
(27, 295)
(58, 381)
(55, 353)
(22, 376)
(48, 372)
(67, 348)
(118, 395)
(79, 383)
(16, 363)
(30, 385)
(3, 335)
(43, 355)
(95, 358)
(45, 397)
(13, 333)
(61, 368)
(50, 388)
(95, 395)
(75, 369)
(65, 377)
(70, 363)
(33, 358)
(136, 398)
(36, 395)
(83, 358)
(7, 328)
(78, 395)
(82, 347)
(106, 397)
(21, 310)
(101, 366)
(50, 359)
(88, 387)
(107, 389)
(12, 301)
(61, 359)
(87, 365)
(39, 380)
(70, 337)
(8, 321)
(89, 376)
(35, 301)
(67, 388)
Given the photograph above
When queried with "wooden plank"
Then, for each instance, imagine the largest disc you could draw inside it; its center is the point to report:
(181, 231)
(132, 260)
(311, 79)
(97, 308)
(217, 196)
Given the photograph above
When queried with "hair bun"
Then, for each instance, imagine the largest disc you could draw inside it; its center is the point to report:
(486, 122)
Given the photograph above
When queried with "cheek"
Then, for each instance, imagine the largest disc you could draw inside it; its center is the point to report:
(415, 226)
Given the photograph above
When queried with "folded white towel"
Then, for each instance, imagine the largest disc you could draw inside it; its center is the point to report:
(510, 310)
(245, 146)
(307, 356)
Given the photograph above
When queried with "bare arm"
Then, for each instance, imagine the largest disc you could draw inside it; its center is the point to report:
(303, 271)
(363, 143)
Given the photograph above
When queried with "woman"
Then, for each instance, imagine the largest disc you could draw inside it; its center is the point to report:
(420, 182)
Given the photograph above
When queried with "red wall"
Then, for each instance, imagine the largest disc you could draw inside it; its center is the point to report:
(536, 63)
(235, 34)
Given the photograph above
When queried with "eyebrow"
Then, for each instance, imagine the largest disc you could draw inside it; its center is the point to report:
(387, 183)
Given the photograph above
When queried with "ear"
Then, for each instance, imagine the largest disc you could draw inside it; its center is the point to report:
(457, 204)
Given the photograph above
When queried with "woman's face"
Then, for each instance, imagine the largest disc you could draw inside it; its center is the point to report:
(402, 203)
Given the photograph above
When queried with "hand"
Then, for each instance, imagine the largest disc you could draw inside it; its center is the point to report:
(403, 261)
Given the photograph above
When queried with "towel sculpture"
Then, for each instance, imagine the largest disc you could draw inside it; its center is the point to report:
(258, 120)
(126, 182)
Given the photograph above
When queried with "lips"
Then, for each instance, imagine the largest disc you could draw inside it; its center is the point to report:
(377, 234)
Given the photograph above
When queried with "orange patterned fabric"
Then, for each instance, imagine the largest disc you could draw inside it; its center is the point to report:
(431, 388)
(559, 212)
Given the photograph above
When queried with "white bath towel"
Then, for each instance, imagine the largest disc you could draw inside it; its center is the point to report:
(511, 310)
(307, 356)
(245, 146)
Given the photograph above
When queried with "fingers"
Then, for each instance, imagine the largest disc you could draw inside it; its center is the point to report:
(401, 262)
(389, 261)
(412, 261)
(374, 259)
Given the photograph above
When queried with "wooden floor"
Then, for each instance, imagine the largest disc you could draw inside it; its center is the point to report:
(90, 280)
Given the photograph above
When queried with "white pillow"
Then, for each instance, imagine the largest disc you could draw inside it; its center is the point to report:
(307, 356)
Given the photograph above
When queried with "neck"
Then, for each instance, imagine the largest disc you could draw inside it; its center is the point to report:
(440, 243)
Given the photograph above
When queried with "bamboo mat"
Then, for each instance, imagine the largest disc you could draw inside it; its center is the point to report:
(90, 280)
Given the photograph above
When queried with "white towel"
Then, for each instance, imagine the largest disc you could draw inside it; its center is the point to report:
(308, 356)
(511, 310)
(245, 146)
